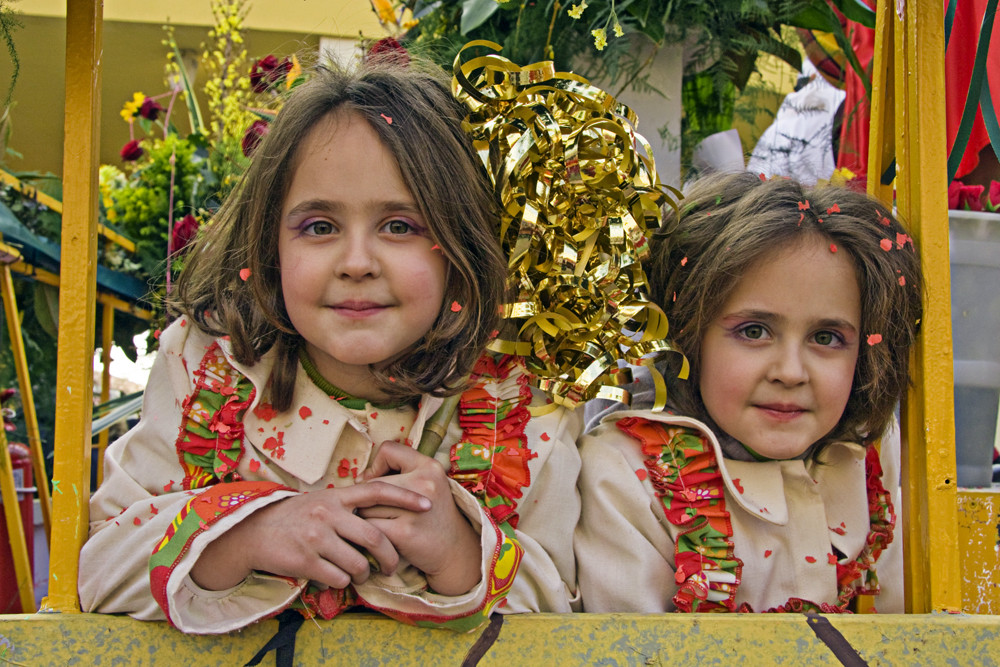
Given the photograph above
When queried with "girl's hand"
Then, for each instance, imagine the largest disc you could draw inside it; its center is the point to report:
(317, 535)
(440, 542)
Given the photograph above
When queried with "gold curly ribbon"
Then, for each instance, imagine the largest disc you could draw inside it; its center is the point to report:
(578, 190)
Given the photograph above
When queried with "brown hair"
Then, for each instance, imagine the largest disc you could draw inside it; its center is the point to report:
(727, 223)
(445, 177)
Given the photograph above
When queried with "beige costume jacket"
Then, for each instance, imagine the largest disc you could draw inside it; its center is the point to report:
(150, 497)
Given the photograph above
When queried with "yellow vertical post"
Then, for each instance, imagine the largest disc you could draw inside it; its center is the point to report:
(15, 530)
(107, 331)
(930, 496)
(881, 146)
(74, 371)
(27, 399)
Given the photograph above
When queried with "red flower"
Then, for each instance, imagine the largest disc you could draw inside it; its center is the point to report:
(388, 50)
(267, 72)
(993, 197)
(185, 230)
(253, 136)
(131, 151)
(965, 197)
(150, 108)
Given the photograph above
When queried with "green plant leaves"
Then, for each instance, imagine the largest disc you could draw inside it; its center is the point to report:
(475, 13)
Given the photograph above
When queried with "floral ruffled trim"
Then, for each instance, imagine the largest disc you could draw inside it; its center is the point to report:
(198, 514)
(491, 459)
(685, 475)
(210, 441)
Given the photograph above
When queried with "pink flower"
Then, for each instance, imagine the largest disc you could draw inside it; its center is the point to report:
(993, 197)
(388, 50)
(965, 197)
(131, 151)
(253, 136)
(184, 232)
(268, 71)
(150, 108)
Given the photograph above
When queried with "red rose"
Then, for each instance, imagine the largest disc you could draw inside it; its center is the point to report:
(965, 197)
(150, 108)
(267, 72)
(389, 50)
(185, 230)
(253, 136)
(131, 151)
(993, 197)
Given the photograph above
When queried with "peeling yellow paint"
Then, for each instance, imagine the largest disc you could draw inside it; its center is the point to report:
(979, 538)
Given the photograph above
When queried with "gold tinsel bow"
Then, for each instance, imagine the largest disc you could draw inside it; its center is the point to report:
(578, 190)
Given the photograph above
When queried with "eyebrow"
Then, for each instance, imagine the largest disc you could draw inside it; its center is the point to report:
(333, 207)
(768, 316)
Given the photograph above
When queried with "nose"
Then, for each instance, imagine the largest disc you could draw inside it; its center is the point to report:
(358, 257)
(788, 365)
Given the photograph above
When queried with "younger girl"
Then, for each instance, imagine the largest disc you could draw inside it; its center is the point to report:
(352, 281)
(761, 490)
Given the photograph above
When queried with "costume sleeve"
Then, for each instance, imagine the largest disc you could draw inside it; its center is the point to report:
(141, 507)
(547, 516)
(890, 563)
(625, 555)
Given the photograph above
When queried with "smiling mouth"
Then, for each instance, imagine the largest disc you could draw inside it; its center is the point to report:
(358, 309)
(780, 412)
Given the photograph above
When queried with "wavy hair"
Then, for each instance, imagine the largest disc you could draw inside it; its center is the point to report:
(728, 223)
(446, 178)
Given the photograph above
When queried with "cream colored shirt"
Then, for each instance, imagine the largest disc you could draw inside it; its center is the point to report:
(141, 495)
(787, 517)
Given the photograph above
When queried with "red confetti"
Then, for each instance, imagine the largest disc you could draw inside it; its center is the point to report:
(152, 508)
(736, 483)
(254, 465)
(455, 306)
(762, 177)
(326, 421)
(305, 412)
(166, 487)
(641, 474)
(833, 247)
(545, 437)
(767, 553)
(831, 559)
(344, 468)
(156, 334)
(834, 209)
(840, 530)
(184, 323)
(244, 274)
(902, 280)
(435, 247)
(137, 521)
(874, 339)
(265, 412)
(802, 216)
(804, 206)
(684, 261)
(885, 244)
(810, 559)
(388, 119)
(374, 415)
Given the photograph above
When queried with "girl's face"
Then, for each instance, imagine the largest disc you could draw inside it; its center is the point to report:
(360, 275)
(777, 364)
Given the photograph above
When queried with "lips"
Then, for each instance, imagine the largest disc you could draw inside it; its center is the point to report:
(357, 309)
(781, 411)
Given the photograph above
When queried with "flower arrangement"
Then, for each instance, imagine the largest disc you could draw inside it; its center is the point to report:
(964, 197)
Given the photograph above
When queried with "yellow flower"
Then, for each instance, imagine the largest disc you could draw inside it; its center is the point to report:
(384, 11)
(618, 29)
(130, 109)
(600, 38)
(576, 11)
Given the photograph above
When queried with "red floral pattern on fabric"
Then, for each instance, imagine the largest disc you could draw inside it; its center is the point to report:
(210, 441)
(686, 479)
(491, 459)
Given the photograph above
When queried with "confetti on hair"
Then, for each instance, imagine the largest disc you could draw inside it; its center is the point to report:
(388, 119)
(804, 206)
(762, 176)
(579, 192)
(802, 216)
(881, 218)
(833, 247)
(833, 209)
(455, 306)
(435, 247)
(874, 339)
(885, 244)
(902, 240)
(684, 261)
(244, 274)
(902, 281)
